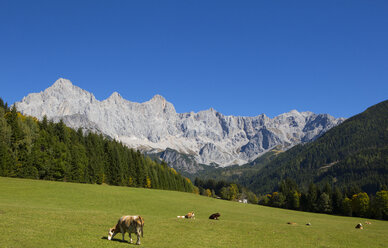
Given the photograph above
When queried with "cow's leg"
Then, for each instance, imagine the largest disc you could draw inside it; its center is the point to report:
(130, 238)
(122, 230)
(138, 237)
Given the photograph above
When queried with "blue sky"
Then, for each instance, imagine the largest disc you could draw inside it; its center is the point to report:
(239, 57)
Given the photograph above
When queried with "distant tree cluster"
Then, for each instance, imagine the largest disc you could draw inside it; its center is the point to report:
(224, 190)
(30, 148)
(329, 200)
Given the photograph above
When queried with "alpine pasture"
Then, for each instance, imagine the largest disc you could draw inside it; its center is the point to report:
(57, 214)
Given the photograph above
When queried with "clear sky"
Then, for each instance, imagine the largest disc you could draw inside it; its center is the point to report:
(239, 57)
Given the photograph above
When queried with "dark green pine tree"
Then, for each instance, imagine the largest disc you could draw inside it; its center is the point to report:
(6, 160)
(337, 199)
(324, 203)
(312, 197)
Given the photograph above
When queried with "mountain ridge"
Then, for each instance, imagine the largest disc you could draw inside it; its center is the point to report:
(354, 153)
(154, 125)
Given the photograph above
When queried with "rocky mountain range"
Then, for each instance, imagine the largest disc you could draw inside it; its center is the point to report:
(207, 137)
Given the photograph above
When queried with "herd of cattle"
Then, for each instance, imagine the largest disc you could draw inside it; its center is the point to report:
(135, 223)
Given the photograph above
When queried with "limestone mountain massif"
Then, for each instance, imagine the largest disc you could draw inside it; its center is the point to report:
(207, 137)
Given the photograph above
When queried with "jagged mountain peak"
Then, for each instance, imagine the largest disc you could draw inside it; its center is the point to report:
(65, 88)
(115, 96)
(159, 104)
(208, 136)
(63, 82)
(208, 112)
(158, 98)
(294, 112)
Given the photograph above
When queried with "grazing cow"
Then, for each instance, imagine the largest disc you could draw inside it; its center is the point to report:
(359, 226)
(130, 224)
(214, 216)
(190, 215)
(291, 223)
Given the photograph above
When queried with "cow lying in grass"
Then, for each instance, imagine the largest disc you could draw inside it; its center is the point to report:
(214, 216)
(130, 224)
(190, 215)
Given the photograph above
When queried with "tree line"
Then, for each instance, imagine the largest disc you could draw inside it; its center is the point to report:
(224, 190)
(45, 150)
(329, 200)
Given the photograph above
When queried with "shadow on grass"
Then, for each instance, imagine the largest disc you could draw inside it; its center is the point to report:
(116, 240)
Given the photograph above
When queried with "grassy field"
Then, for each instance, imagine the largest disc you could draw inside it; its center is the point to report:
(55, 214)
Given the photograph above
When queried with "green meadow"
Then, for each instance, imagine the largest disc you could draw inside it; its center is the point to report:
(56, 214)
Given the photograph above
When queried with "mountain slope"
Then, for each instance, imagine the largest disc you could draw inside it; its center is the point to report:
(153, 126)
(237, 173)
(51, 151)
(353, 153)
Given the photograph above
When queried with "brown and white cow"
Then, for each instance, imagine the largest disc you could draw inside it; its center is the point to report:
(190, 215)
(129, 224)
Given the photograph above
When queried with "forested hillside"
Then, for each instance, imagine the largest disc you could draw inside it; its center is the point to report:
(238, 173)
(51, 151)
(353, 154)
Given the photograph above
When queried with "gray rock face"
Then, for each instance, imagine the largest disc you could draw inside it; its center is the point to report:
(153, 126)
(181, 162)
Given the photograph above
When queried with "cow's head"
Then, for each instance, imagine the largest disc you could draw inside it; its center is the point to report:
(140, 223)
(111, 232)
